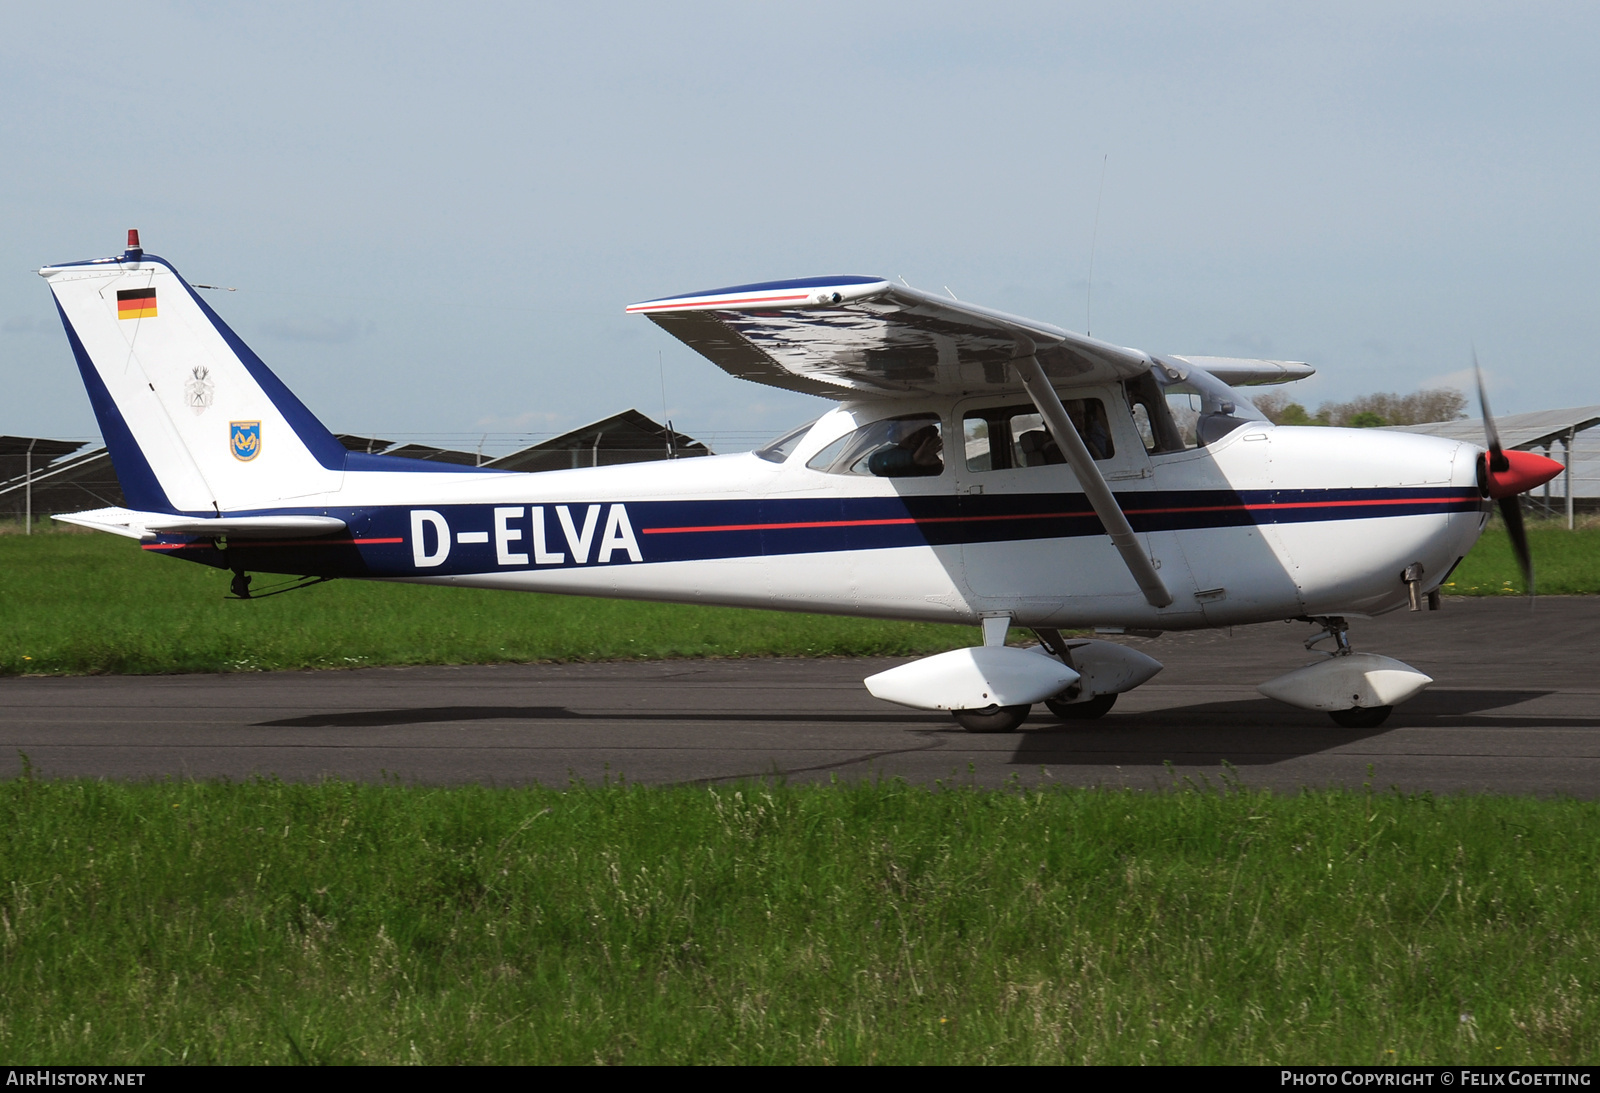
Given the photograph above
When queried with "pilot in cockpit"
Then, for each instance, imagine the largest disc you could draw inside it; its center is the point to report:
(1089, 418)
(918, 454)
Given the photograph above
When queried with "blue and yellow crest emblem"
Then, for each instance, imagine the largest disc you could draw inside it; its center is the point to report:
(244, 439)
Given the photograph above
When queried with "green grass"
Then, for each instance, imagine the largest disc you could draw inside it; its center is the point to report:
(93, 603)
(1565, 563)
(81, 603)
(341, 923)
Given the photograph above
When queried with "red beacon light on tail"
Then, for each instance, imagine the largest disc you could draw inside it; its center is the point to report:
(134, 251)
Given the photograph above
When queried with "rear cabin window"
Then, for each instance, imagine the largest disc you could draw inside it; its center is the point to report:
(899, 447)
(1008, 437)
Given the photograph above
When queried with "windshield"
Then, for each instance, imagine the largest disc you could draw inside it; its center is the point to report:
(1202, 407)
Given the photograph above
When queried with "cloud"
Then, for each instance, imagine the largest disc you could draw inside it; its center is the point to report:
(312, 328)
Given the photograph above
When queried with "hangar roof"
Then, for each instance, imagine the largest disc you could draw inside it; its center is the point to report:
(1526, 431)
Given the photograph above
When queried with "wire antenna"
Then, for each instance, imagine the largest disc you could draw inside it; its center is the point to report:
(1094, 239)
(661, 366)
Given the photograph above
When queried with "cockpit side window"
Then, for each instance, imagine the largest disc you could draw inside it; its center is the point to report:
(901, 447)
(781, 449)
(1152, 416)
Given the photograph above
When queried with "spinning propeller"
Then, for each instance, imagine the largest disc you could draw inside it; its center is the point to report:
(1503, 475)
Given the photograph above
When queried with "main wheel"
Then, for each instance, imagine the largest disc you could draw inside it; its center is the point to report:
(992, 719)
(1098, 706)
(1361, 717)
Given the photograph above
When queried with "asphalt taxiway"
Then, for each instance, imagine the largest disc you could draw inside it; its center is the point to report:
(1515, 708)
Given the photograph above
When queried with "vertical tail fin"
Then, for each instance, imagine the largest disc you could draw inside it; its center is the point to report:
(194, 421)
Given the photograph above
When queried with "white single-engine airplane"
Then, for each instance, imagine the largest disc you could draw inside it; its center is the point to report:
(978, 468)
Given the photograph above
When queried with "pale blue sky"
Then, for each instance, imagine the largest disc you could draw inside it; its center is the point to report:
(434, 215)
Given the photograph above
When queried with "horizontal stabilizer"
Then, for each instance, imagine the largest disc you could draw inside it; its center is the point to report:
(144, 525)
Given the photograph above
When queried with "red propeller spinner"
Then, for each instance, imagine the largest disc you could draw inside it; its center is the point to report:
(1521, 472)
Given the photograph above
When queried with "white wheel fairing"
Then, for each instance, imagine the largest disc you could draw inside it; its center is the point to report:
(973, 679)
(1358, 681)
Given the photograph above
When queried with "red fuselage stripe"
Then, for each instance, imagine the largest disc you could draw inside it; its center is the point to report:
(721, 303)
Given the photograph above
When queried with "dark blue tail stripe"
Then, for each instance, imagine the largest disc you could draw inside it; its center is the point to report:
(139, 484)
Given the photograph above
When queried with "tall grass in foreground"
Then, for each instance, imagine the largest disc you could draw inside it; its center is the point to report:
(94, 603)
(770, 924)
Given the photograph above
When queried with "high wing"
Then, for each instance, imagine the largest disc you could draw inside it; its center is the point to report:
(848, 336)
(851, 336)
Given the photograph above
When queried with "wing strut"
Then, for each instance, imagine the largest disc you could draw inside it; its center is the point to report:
(1094, 486)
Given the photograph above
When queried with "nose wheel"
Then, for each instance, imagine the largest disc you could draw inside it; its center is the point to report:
(1356, 717)
(1356, 690)
(992, 719)
(1361, 717)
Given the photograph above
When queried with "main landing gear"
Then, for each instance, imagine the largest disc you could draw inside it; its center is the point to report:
(1098, 706)
(1008, 718)
(991, 687)
(1096, 664)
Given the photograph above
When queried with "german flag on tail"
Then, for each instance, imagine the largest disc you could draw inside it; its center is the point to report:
(136, 303)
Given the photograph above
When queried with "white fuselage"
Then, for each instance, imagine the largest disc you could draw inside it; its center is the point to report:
(1266, 523)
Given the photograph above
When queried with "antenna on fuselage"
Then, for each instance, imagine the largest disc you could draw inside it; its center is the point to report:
(1094, 238)
(661, 365)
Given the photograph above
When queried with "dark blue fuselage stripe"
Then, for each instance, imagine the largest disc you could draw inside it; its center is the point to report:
(378, 543)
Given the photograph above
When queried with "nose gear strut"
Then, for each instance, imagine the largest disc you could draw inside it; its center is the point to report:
(1333, 626)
